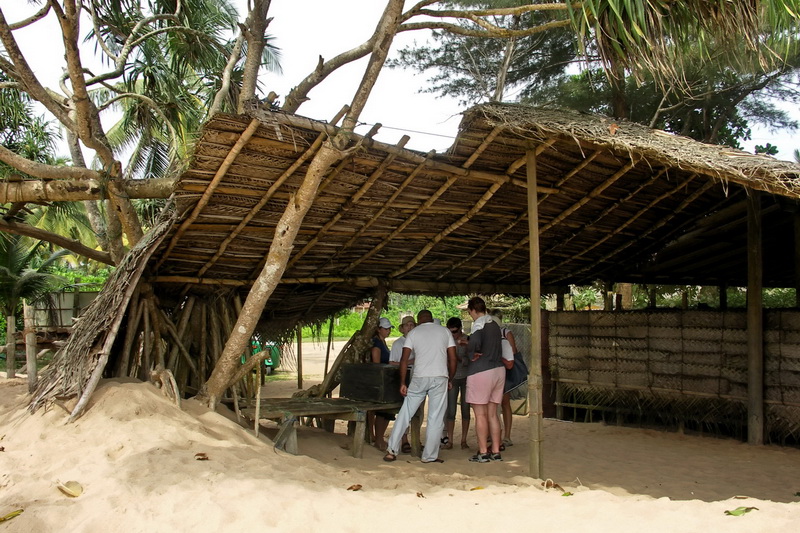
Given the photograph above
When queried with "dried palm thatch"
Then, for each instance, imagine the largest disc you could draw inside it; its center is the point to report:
(79, 364)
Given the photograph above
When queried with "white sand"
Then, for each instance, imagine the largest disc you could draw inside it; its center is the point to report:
(134, 453)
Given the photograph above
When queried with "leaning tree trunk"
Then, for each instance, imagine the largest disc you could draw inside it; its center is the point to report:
(329, 153)
(277, 258)
(11, 347)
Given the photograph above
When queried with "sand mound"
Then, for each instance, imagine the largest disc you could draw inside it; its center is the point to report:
(135, 456)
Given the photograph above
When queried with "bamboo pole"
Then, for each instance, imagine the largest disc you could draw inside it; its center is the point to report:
(755, 330)
(215, 181)
(796, 219)
(299, 356)
(132, 329)
(30, 345)
(535, 376)
(330, 343)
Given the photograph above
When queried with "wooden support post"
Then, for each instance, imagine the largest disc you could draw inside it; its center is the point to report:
(723, 297)
(30, 345)
(330, 345)
(559, 300)
(797, 259)
(535, 375)
(651, 296)
(755, 331)
(299, 356)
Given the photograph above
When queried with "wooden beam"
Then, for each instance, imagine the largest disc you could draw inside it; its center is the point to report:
(349, 204)
(306, 155)
(209, 192)
(408, 155)
(796, 219)
(395, 285)
(654, 227)
(755, 330)
(535, 376)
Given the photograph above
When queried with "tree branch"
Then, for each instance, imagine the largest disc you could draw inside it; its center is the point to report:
(59, 240)
(78, 190)
(43, 171)
(24, 74)
(30, 20)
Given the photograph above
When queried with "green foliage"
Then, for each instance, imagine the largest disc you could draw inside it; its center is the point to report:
(470, 68)
(768, 149)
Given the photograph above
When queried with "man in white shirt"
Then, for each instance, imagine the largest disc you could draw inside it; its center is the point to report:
(434, 367)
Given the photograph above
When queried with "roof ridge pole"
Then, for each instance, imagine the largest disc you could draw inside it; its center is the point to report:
(535, 375)
(755, 319)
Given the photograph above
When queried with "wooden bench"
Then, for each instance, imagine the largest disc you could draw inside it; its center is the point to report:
(289, 410)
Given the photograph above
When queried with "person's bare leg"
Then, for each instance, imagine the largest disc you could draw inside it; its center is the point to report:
(482, 426)
(381, 424)
(464, 431)
(493, 426)
(508, 418)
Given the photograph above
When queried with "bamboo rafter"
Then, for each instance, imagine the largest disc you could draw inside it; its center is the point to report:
(607, 211)
(421, 210)
(656, 226)
(326, 182)
(627, 223)
(522, 217)
(449, 229)
(221, 171)
(516, 165)
(307, 154)
(377, 173)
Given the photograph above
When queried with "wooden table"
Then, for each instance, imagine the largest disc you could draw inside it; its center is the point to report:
(288, 411)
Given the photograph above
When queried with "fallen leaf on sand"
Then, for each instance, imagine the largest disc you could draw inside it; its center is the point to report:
(567, 494)
(476, 488)
(201, 456)
(73, 489)
(420, 495)
(11, 515)
(739, 511)
(354, 487)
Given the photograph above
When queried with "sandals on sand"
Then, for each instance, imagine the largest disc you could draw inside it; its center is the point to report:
(437, 460)
(464, 446)
(389, 457)
(406, 447)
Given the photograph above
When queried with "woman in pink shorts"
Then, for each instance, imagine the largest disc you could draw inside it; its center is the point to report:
(486, 376)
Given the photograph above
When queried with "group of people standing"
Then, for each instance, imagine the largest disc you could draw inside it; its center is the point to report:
(448, 366)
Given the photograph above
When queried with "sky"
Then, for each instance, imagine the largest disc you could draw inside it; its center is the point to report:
(307, 29)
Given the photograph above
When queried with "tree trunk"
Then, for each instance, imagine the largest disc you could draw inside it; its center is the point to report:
(30, 345)
(256, 26)
(268, 279)
(11, 347)
(329, 153)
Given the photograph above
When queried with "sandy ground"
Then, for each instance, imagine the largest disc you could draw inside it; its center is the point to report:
(141, 463)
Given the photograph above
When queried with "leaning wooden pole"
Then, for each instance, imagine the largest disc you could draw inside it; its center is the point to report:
(535, 376)
(755, 330)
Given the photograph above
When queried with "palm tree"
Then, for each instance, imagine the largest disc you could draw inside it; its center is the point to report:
(24, 275)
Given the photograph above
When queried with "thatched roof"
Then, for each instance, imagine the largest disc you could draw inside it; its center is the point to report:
(615, 200)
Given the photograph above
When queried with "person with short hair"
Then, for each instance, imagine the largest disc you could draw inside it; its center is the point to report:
(486, 377)
(434, 367)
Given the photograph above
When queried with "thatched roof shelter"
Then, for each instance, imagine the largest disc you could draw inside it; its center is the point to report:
(617, 202)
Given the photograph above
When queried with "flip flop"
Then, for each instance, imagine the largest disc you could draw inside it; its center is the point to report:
(389, 457)
(437, 460)
(406, 447)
